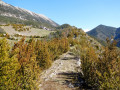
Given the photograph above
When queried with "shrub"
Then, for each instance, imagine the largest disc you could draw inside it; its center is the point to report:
(101, 71)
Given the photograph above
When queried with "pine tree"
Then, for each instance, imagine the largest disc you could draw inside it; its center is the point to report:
(29, 70)
(43, 56)
(8, 67)
(53, 48)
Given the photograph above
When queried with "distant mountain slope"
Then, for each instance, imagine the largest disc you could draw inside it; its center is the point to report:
(17, 14)
(117, 37)
(64, 26)
(102, 32)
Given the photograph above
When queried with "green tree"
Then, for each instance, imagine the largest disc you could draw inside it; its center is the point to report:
(8, 67)
(28, 73)
(108, 69)
(43, 56)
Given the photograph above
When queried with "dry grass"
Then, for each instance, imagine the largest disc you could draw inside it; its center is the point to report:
(31, 32)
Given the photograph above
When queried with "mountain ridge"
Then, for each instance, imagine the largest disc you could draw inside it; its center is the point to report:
(8, 10)
(102, 32)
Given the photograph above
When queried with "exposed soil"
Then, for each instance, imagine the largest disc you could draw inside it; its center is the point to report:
(63, 74)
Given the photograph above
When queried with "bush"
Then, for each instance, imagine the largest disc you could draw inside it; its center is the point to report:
(101, 71)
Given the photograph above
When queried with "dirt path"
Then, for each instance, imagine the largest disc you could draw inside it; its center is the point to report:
(62, 74)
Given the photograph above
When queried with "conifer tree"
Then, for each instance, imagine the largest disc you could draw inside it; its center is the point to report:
(28, 72)
(43, 56)
(8, 67)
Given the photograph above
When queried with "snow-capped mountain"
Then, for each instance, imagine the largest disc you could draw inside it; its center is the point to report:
(8, 10)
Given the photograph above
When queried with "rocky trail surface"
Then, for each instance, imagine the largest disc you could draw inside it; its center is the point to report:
(63, 74)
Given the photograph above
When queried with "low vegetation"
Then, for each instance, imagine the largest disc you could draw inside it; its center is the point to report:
(35, 24)
(20, 66)
(22, 63)
(101, 68)
(20, 27)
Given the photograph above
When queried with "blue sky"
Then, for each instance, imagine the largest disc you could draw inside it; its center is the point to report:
(85, 14)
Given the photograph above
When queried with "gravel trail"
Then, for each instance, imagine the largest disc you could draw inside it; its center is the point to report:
(62, 73)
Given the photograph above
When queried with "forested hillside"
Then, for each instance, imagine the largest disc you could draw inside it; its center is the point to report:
(102, 32)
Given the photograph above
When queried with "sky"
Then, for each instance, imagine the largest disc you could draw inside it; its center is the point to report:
(85, 14)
